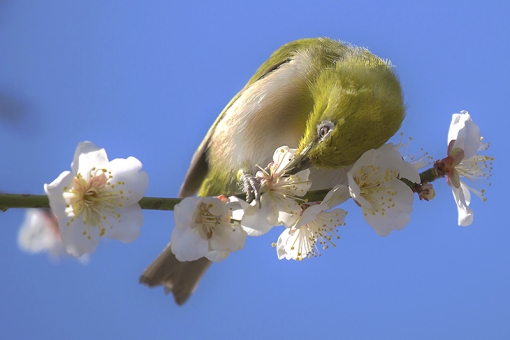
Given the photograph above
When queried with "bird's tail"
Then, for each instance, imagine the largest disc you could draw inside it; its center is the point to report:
(180, 278)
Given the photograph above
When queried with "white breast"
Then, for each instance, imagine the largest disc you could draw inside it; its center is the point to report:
(270, 113)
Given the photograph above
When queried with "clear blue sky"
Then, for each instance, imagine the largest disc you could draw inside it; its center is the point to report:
(148, 79)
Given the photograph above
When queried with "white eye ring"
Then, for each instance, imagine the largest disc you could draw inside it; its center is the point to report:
(324, 129)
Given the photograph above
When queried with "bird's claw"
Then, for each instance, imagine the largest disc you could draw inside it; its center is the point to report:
(251, 186)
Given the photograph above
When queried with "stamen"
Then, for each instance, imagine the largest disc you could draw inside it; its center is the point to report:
(374, 188)
(94, 200)
(419, 159)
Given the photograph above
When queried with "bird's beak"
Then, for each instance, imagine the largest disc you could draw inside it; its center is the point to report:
(300, 161)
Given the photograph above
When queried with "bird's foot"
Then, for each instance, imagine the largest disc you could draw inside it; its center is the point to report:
(251, 186)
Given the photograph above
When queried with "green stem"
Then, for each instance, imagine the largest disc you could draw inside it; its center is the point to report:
(430, 175)
(23, 201)
(8, 201)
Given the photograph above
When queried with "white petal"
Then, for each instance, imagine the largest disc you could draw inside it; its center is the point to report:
(128, 171)
(388, 157)
(368, 158)
(282, 157)
(288, 220)
(185, 211)
(310, 214)
(36, 233)
(227, 238)
(237, 207)
(395, 217)
(217, 256)
(125, 228)
(255, 221)
(187, 245)
(88, 156)
(466, 214)
(55, 191)
(75, 241)
(457, 123)
(336, 196)
(408, 171)
(355, 192)
(295, 185)
(281, 245)
(465, 133)
(280, 203)
(384, 226)
(286, 245)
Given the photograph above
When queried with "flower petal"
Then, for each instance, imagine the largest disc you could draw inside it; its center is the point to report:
(217, 256)
(127, 171)
(184, 211)
(336, 196)
(465, 133)
(285, 246)
(462, 197)
(77, 238)
(55, 191)
(126, 225)
(186, 246)
(375, 185)
(88, 156)
(256, 221)
(229, 238)
(89, 204)
(282, 157)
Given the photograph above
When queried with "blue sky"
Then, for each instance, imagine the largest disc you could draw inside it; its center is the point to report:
(148, 79)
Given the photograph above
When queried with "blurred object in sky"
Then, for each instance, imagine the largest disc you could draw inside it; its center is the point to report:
(39, 233)
(12, 109)
(17, 114)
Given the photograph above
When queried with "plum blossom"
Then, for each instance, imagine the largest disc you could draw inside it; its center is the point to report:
(39, 233)
(279, 194)
(97, 198)
(207, 227)
(315, 227)
(375, 185)
(463, 162)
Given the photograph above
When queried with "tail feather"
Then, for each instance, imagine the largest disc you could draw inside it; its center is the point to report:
(180, 278)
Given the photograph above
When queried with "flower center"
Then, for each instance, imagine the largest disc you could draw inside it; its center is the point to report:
(207, 221)
(322, 230)
(374, 189)
(94, 198)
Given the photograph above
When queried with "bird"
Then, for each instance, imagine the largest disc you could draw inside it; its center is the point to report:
(329, 99)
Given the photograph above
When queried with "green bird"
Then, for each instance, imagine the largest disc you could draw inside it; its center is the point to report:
(331, 100)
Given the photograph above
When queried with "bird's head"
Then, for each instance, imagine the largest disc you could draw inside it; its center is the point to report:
(358, 106)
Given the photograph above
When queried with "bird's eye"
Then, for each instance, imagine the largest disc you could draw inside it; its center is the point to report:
(324, 129)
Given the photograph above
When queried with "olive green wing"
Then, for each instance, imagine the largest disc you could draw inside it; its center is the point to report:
(199, 166)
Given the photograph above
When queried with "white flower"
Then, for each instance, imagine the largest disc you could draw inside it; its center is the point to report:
(375, 185)
(204, 227)
(279, 193)
(39, 233)
(315, 224)
(464, 162)
(98, 198)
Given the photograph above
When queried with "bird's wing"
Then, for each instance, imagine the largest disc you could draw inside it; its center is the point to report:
(199, 166)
